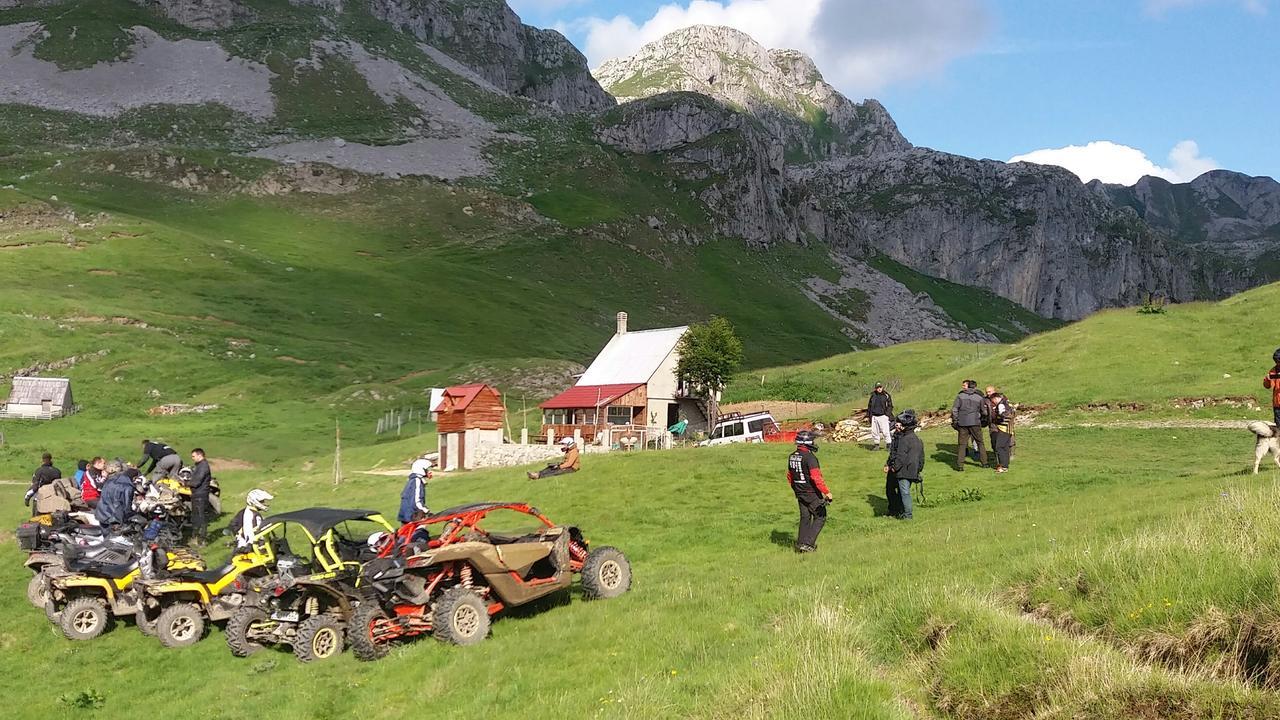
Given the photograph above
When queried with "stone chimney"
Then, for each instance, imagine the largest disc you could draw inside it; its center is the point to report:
(622, 323)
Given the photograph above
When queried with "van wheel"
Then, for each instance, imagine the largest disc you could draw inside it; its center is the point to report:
(84, 618)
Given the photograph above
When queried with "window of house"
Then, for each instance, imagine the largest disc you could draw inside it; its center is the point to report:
(619, 415)
(555, 417)
(584, 417)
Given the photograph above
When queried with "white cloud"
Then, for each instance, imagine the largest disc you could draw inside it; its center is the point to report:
(860, 45)
(1159, 8)
(1114, 163)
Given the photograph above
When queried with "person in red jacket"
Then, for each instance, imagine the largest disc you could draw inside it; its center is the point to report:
(805, 477)
(94, 476)
(1272, 383)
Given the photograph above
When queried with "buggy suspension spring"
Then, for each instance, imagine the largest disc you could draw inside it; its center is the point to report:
(466, 576)
(312, 606)
(577, 552)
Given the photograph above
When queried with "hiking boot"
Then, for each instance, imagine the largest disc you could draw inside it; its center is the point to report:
(801, 548)
(532, 475)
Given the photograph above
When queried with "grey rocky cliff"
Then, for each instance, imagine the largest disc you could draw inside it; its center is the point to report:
(782, 88)
(200, 14)
(488, 37)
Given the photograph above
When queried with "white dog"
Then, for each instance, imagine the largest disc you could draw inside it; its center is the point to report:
(1268, 442)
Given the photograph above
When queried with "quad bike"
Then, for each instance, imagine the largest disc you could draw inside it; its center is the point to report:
(450, 585)
(308, 607)
(174, 606)
(174, 497)
(83, 594)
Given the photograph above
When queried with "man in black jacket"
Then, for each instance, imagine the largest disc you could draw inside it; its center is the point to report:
(165, 461)
(880, 410)
(199, 482)
(905, 466)
(969, 414)
(43, 475)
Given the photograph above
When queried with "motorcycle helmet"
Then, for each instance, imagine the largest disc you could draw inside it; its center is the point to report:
(379, 541)
(805, 438)
(907, 418)
(259, 499)
(184, 475)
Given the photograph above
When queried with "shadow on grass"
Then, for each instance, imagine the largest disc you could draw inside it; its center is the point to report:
(946, 453)
(879, 505)
(783, 538)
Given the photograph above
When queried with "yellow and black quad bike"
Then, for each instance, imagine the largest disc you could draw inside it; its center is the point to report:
(306, 604)
(175, 608)
(85, 593)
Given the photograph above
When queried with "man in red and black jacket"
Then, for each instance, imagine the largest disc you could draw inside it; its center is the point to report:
(1272, 383)
(805, 476)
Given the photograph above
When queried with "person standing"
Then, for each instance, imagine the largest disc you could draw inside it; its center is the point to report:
(905, 465)
(1001, 427)
(200, 482)
(413, 499)
(1272, 383)
(44, 475)
(969, 414)
(94, 476)
(804, 474)
(165, 461)
(880, 410)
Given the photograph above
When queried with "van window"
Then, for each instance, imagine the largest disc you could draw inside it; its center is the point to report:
(719, 432)
(755, 426)
(733, 430)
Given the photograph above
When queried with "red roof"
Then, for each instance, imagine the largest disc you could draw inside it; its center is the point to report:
(588, 396)
(463, 395)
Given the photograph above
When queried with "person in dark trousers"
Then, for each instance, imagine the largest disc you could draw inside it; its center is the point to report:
(805, 477)
(200, 482)
(413, 498)
(1272, 383)
(1001, 427)
(43, 475)
(165, 461)
(880, 410)
(572, 462)
(905, 465)
(969, 414)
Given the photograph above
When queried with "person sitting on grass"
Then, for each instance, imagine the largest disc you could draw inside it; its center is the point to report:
(571, 463)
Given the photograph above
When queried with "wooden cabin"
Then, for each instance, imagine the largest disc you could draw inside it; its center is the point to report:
(39, 398)
(467, 416)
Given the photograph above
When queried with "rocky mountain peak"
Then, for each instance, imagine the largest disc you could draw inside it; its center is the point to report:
(783, 88)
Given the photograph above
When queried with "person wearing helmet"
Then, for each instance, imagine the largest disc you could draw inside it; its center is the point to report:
(804, 475)
(905, 465)
(413, 498)
(572, 461)
(247, 522)
(1272, 383)
(880, 410)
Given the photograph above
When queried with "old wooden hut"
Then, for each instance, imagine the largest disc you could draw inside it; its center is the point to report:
(39, 398)
(467, 416)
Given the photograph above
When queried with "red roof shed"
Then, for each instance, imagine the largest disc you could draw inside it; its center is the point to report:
(466, 407)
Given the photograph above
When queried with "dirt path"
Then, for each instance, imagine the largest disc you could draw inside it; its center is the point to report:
(1149, 425)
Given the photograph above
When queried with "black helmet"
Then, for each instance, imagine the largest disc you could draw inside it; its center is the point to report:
(1276, 356)
(805, 438)
(907, 418)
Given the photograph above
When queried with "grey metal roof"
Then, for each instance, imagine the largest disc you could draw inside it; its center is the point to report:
(36, 390)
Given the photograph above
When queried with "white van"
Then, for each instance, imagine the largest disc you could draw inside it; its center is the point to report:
(738, 428)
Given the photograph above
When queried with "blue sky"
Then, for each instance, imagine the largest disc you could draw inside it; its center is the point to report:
(999, 79)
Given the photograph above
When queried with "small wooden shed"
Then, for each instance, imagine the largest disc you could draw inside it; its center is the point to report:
(467, 416)
(39, 398)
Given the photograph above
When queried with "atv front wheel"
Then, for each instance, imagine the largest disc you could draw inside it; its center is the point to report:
(459, 617)
(238, 630)
(319, 638)
(360, 632)
(180, 625)
(38, 589)
(84, 618)
(605, 574)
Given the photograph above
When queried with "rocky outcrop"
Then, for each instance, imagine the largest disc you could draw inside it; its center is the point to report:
(782, 88)
(201, 14)
(489, 38)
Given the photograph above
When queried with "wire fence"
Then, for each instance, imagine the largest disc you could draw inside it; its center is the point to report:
(395, 421)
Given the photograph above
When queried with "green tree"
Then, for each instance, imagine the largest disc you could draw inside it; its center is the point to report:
(710, 353)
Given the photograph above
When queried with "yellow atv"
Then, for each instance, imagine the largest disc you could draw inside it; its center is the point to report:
(175, 608)
(83, 595)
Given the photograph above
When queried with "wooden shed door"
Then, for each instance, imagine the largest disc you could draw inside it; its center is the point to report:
(46, 405)
(462, 451)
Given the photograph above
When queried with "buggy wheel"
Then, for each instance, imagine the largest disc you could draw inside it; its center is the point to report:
(38, 589)
(238, 627)
(605, 574)
(146, 624)
(319, 638)
(360, 632)
(84, 618)
(180, 625)
(459, 617)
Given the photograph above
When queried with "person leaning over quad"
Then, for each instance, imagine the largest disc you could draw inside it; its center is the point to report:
(165, 461)
(572, 461)
(804, 474)
(44, 475)
(200, 482)
(1001, 427)
(905, 465)
(413, 499)
(969, 414)
(1272, 383)
(115, 506)
(880, 409)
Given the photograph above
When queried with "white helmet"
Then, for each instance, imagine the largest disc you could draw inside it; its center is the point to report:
(379, 540)
(259, 499)
(566, 441)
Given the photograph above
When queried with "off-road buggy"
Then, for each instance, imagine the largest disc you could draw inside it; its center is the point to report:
(85, 592)
(451, 583)
(307, 604)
